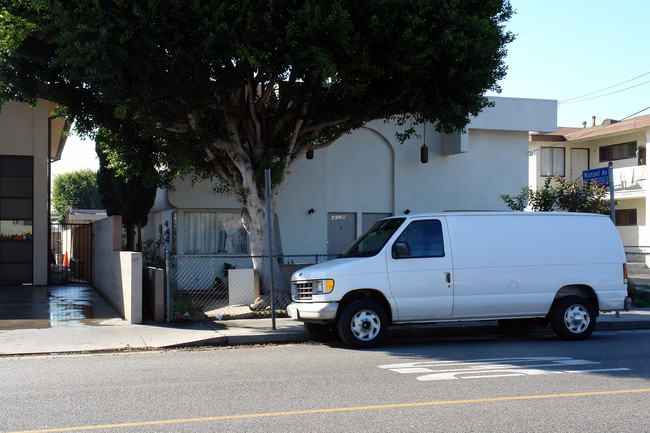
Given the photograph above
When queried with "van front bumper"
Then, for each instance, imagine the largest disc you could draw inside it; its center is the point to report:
(313, 311)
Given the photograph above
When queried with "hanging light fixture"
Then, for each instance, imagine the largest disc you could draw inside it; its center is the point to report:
(424, 150)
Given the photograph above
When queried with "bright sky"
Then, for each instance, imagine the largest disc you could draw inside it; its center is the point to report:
(564, 49)
(568, 48)
(77, 154)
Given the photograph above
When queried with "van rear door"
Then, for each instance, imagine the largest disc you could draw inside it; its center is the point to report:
(420, 271)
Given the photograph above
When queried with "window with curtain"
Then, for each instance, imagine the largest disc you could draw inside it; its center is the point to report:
(552, 161)
(215, 233)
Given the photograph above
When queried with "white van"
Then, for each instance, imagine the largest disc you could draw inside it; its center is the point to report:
(516, 267)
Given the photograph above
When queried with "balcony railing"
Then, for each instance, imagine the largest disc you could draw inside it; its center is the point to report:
(630, 178)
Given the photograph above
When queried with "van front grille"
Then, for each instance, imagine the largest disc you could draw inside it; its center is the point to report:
(302, 291)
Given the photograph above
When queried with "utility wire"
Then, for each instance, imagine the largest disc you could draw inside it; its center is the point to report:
(640, 111)
(606, 88)
(606, 94)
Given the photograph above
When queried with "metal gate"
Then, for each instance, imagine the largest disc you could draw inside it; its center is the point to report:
(71, 254)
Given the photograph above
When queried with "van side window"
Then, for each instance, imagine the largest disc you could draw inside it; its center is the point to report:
(423, 239)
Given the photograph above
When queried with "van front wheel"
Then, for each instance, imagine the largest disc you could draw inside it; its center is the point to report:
(573, 318)
(363, 324)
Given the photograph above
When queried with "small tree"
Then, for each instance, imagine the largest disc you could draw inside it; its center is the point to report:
(572, 197)
(541, 200)
(77, 189)
(565, 196)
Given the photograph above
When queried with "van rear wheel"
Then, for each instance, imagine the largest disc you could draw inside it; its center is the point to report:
(363, 324)
(573, 318)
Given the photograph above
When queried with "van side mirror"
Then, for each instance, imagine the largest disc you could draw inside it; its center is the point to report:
(401, 249)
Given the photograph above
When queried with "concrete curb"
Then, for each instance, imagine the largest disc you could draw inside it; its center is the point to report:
(213, 342)
(622, 326)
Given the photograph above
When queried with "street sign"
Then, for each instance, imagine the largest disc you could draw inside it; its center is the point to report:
(600, 175)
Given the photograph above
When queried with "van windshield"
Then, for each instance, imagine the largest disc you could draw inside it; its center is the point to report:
(374, 239)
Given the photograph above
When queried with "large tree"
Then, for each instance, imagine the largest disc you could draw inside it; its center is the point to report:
(77, 190)
(230, 88)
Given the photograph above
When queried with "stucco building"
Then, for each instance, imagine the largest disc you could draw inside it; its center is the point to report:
(567, 152)
(29, 139)
(332, 198)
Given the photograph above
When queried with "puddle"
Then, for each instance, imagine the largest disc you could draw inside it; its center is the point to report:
(27, 307)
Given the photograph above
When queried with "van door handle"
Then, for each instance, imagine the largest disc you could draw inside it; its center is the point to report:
(448, 276)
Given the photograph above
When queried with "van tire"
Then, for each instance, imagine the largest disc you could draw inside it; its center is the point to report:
(573, 318)
(324, 333)
(363, 324)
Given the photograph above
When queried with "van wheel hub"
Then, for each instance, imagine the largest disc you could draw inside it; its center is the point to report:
(365, 325)
(576, 318)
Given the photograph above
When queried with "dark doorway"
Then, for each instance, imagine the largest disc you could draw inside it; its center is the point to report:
(16, 219)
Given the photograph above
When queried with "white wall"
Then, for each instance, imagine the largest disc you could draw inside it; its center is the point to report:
(633, 235)
(518, 114)
(117, 274)
(369, 172)
(201, 195)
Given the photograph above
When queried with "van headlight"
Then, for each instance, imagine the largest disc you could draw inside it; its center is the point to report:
(322, 287)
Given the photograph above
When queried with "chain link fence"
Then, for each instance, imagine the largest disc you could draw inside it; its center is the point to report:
(638, 275)
(638, 265)
(227, 287)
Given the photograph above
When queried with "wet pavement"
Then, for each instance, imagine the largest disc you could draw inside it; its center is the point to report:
(38, 307)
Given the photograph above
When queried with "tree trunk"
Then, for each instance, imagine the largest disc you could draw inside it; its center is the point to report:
(255, 223)
(138, 246)
(130, 237)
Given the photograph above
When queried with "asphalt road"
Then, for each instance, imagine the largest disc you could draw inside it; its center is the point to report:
(461, 384)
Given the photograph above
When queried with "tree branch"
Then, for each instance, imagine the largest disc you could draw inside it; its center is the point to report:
(315, 129)
(252, 108)
(330, 141)
(270, 87)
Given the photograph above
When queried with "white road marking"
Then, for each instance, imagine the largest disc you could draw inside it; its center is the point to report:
(493, 367)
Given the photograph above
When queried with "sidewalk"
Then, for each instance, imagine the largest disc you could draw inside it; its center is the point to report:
(117, 334)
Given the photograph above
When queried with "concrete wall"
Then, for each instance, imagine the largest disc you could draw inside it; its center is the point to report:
(117, 274)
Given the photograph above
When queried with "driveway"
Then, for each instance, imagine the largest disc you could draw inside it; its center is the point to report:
(34, 307)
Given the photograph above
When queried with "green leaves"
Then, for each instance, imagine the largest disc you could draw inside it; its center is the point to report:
(77, 189)
(564, 196)
(271, 77)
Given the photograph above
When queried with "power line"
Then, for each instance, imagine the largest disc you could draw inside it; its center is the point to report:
(640, 111)
(606, 94)
(606, 88)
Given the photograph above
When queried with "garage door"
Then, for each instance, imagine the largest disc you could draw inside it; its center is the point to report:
(16, 219)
